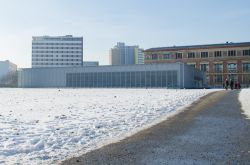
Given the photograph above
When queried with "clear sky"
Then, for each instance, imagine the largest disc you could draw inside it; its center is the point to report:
(103, 23)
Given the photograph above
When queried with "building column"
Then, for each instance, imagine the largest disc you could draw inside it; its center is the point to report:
(239, 70)
(225, 70)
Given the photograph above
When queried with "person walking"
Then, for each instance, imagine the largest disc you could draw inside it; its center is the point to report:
(231, 84)
(226, 84)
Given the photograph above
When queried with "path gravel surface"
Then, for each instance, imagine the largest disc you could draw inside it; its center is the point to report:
(212, 130)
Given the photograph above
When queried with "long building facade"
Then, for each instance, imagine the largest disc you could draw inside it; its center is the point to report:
(57, 51)
(175, 75)
(219, 61)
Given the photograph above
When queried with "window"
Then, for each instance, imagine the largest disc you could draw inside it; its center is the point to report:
(218, 67)
(166, 56)
(154, 56)
(192, 65)
(191, 55)
(231, 53)
(218, 79)
(178, 55)
(231, 66)
(204, 67)
(246, 67)
(246, 79)
(148, 57)
(217, 54)
(246, 52)
(204, 54)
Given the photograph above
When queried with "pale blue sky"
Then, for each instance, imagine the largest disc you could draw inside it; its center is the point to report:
(102, 23)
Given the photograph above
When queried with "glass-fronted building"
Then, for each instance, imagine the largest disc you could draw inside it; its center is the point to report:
(174, 75)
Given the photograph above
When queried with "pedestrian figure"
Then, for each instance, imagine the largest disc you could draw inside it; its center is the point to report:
(237, 85)
(231, 84)
(226, 83)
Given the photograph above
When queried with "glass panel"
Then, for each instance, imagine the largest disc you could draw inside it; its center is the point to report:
(78, 79)
(143, 82)
(138, 79)
(100, 79)
(123, 79)
(133, 83)
(148, 79)
(164, 78)
(153, 79)
(158, 79)
(82, 80)
(109, 79)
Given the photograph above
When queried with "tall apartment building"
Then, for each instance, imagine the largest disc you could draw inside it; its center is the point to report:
(126, 55)
(57, 51)
(219, 61)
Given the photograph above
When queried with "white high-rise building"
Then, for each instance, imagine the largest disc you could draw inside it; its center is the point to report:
(57, 51)
(126, 55)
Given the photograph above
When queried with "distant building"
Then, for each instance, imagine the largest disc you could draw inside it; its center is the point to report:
(90, 63)
(219, 61)
(7, 67)
(57, 51)
(8, 74)
(126, 55)
(174, 75)
(139, 56)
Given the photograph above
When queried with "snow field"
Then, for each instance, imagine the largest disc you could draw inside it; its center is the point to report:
(245, 102)
(46, 126)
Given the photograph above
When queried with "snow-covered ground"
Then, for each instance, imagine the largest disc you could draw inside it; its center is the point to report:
(44, 126)
(245, 102)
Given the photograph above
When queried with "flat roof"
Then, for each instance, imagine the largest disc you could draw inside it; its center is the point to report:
(193, 47)
(107, 66)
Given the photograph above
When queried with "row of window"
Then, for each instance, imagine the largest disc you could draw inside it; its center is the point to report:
(56, 59)
(51, 55)
(217, 54)
(41, 63)
(218, 79)
(123, 79)
(57, 39)
(219, 67)
(35, 43)
(37, 51)
(39, 47)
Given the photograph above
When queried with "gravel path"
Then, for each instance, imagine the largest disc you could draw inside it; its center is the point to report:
(211, 131)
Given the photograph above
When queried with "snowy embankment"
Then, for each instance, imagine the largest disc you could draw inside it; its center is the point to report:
(245, 102)
(49, 125)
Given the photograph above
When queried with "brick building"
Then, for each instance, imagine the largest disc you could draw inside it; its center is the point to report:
(219, 61)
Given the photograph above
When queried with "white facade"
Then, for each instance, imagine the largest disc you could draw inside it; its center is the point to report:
(7, 67)
(126, 55)
(59, 51)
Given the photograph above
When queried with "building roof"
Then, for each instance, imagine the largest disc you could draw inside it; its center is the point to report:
(192, 47)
